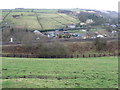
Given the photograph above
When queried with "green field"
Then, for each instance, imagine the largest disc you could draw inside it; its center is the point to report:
(49, 19)
(25, 21)
(46, 11)
(101, 72)
(55, 21)
(76, 31)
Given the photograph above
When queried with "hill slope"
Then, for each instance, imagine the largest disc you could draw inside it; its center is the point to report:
(37, 20)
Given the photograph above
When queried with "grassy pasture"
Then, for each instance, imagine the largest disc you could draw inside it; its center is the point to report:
(99, 72)
(48, 20)
(22, 10)
(25, 21)
(55, 21)
(4, 13)
(46, 10)
(76, 31)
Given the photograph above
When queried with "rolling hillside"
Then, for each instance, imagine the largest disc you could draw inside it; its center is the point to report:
(38, 19)
(45, 19)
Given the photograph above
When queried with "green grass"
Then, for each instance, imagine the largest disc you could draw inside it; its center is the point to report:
(99, 72)
(4, 14)
(77, 31)
(25, 21)
(51, 20)
(46, 10)
(48, 20)
(22, 10)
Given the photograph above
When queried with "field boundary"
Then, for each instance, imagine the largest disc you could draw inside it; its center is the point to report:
(62, 56)
(6, 15)
(39, 21)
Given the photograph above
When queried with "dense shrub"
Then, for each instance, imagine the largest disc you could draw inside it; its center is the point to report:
(41, 49)
(52, 49)
(58, 49)
(100, 44)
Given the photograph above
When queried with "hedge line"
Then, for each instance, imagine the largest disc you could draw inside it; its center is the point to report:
(62, 56)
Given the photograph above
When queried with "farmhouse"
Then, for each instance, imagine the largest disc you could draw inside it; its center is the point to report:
(84, 30)
(114, 32)
(71, 26)
(100, 36)
(51, 34)
(38, 33)
(89, 21)
(114, 26)
(82, 23)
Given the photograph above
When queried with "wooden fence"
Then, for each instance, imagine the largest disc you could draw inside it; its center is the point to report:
(63, 56)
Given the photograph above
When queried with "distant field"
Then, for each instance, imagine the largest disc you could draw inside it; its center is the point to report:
(102, 31)
(25, 21)
(55, 21)
(46, 11)
(99, 72)
(49, 19)
(76, 31)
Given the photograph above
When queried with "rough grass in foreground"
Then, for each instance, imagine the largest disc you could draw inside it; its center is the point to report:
(99, 72)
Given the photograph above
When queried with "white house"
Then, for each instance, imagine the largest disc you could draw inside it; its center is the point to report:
(71, 26)
(89, 21)
(84, 30)
(51, 34)
(100, 36)
(114, 32)
(38, 33)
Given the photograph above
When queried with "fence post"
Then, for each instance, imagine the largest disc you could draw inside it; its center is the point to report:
(71, 56)
(65, 56)
(77, 56)
(89, 55)
(94, 55)
(83, 55)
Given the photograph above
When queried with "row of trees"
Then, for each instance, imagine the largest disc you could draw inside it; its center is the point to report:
(60, 49)
(83, 16)
(41, 49)
(18, 35)
(98, 20)
(44, 48)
